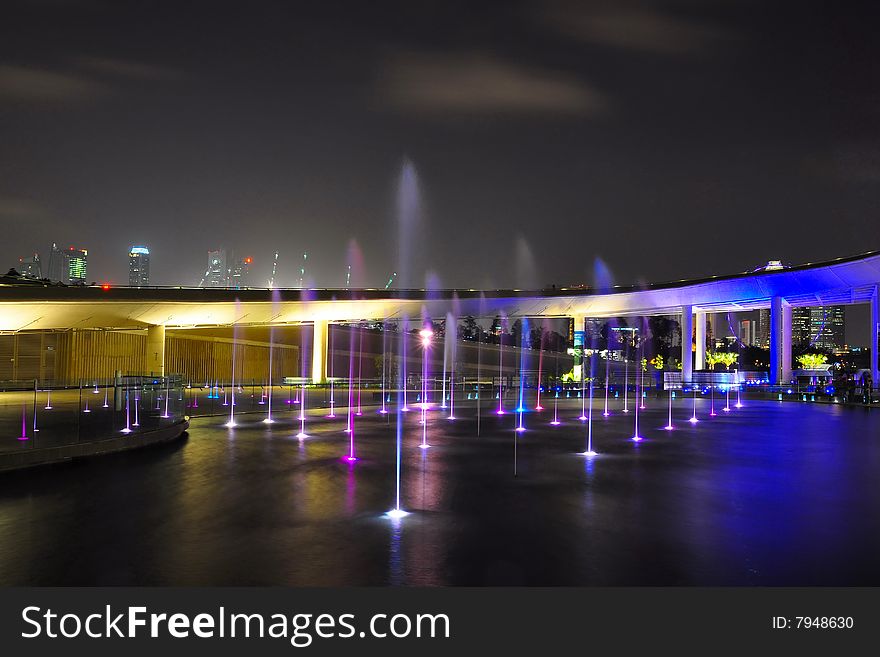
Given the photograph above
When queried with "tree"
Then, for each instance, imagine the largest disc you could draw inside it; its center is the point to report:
(812, 361)
(726, 358)
(469, 330)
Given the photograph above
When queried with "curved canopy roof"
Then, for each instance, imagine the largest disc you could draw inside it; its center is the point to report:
(32, 307)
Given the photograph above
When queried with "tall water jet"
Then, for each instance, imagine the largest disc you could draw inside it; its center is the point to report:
(360, 366)
(276, 300)
(384, 409)
(397, 512)
(538, 406)
(607, 379)
(332, 337)
(480, 360)
(669, 426)
(231, 422)
(426, 334)
(451, 345)
(350, 406)
(409, 211)
(583, 416)
(23, 435)
(304, 377)
(127, 428)
(694, 419)
(500, 410)
(521, 409)
(48, 399)
(602, 283)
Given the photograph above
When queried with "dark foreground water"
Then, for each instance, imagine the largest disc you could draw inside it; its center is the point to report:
(771, 494)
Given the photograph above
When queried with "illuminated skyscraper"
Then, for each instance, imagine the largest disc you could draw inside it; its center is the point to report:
(822, 327)
(762, 337)
(77, 265)
(139, 266)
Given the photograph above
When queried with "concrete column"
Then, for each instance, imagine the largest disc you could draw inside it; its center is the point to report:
(319, 351)
(780, 341)
(687, 334)
(700, 353)
(155, 356)
(873, 331)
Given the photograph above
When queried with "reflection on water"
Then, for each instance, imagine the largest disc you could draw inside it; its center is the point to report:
(771, 494)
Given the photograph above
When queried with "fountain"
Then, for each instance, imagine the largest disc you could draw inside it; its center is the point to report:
(500, 410)
(303, 405)
(23, 435)
(384, 409)
(360, 366)
(48, 399)
(425, 334)
(693, 419)
(451, 339)
(669, 426)
(127, 428)
(523, 333)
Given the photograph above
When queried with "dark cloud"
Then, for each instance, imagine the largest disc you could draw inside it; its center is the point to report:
(26, 85)
(478, 83)
(645, 27)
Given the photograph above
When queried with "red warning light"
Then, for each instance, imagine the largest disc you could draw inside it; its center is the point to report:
(248, 260)
(105, 286)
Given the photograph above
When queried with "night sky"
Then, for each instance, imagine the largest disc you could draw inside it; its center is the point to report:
(671, 139)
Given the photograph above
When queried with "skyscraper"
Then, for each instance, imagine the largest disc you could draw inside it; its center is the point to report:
(822, 327)
(77, 265)
(762, 337)
(748, 332)
(216, 275)
(57, 265)
(240, 273)
(138, 266)
(30, 266)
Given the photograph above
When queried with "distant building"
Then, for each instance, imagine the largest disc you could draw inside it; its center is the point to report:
(57, 265)
(139, 266)
(68, 266)
(216, 275)
(240, 273)
(748, 332)
(77, 265)
(762, 337)
(823, 327)
(30, 266)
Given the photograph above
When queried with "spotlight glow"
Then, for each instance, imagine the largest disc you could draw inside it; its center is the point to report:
(693, 420)
(396, 514)
(301, 435)
(669, 427)
(637, 439)
(424, 446)
(556, 423)
(589, 453)
(520, 429)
